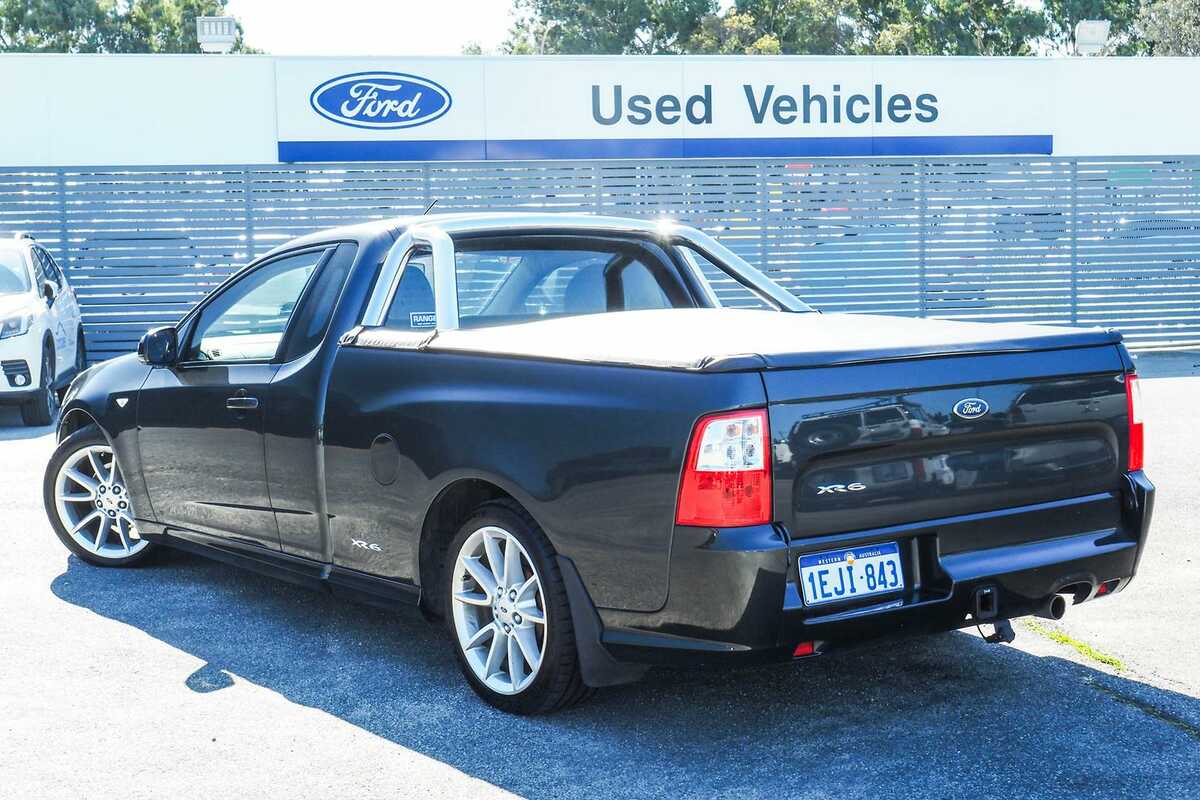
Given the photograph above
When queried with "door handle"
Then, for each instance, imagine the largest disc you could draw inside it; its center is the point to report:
(241, 402)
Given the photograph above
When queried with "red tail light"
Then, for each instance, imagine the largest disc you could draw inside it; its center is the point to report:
(1137, 438)
(727, 475)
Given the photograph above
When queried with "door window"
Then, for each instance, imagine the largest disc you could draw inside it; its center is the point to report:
(246, 322)
(47, 270)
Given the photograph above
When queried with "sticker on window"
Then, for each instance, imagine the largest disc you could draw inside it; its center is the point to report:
(422, 319)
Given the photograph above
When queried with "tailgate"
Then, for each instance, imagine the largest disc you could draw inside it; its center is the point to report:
(873, 445)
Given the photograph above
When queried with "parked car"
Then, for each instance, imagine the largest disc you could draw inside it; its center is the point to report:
(41, 338)
(546, 432)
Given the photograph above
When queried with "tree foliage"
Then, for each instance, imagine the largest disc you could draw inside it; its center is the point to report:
(1061, 16)
(1171, 27)
(636, 27)
(947, 27)
(105, 26)
(824, 27)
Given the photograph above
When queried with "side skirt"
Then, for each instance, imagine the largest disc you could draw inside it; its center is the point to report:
(351, 584)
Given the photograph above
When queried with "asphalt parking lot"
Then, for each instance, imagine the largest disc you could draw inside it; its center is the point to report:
(186, 679)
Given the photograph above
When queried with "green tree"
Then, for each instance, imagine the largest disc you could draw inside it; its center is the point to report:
(805, 27)
(105, 26)
(732, 34)
(1061, 16)
(1171, 27)
(947, 27)
(637, 27)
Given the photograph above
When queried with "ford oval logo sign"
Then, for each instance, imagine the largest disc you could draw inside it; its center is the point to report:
(970, 408)
(380, 100)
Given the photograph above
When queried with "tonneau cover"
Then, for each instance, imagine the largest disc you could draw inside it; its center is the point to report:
(721, 340)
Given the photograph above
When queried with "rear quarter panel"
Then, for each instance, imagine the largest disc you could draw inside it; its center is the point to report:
(593, 453)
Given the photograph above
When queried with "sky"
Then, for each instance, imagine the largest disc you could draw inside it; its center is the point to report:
(371, 27)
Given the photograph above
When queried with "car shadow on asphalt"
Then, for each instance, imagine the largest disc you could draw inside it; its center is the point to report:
(12, 428)
(941, 716)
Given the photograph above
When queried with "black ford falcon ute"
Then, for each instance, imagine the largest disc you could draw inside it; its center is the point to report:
(589, 445)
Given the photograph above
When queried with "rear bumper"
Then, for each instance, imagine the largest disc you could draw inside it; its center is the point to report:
(734, 594)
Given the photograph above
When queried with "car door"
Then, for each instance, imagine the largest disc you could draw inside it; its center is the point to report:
(64, 352)
(66, 307)
(201, 420)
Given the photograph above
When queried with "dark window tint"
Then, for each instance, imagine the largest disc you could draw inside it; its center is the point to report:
(316, 309)
(412, 305)
(51, 267)
(879, 416)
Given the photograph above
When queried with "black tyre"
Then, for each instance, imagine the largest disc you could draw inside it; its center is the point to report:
(42, 409)
(508, 615)
(88, 504)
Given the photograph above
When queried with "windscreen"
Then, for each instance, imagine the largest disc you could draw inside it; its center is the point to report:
(14, 277)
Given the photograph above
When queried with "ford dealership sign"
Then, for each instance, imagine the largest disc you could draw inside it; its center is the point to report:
(475, 109)
(380, 100)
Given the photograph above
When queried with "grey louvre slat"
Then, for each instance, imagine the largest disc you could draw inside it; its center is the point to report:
(1111, 241)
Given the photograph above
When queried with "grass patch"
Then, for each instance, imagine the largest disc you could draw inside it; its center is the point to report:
(1083, 648)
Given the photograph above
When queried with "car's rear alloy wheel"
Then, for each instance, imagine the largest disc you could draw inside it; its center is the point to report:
(89, 502)
(499, 610)
(509, 615)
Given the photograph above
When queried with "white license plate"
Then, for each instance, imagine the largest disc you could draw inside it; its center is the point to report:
(845, 574)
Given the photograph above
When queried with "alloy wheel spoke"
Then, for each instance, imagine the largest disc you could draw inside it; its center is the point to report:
(527, 641)
(102, 533)
(479, 635)
(531, 613)
(482, 575)
(525, 589)
(88, 519)
(516, 663)
(495, 557)
(496, 653)
(102, 475)
(89, 483)
(116, 524)
(473, 598)
(512, 563)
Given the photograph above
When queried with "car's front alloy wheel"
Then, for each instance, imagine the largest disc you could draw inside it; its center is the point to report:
(88, 501)
(508, 613)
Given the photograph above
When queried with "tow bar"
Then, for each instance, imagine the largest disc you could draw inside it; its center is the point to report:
(1002, 633)
(987, 608)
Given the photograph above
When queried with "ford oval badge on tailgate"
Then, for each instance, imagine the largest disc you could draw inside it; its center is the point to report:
(380, 100)
(970, 408)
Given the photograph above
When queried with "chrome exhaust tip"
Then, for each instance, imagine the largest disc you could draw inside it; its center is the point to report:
(1053, 607)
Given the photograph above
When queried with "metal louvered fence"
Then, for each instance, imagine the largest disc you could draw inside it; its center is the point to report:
(1078, 241)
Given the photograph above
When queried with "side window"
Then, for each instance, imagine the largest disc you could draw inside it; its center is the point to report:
(47, 267)
(728, 290)
(316, 309)
(56, 272)
(246, 322)
(412, 305)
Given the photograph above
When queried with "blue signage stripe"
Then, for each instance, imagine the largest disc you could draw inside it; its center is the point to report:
(413, 150)
(530, 149)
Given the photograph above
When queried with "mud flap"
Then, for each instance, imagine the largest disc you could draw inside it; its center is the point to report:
(596, 664)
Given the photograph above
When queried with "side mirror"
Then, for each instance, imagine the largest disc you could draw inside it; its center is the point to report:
(159, 347)
(49, 291)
